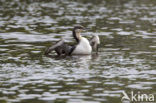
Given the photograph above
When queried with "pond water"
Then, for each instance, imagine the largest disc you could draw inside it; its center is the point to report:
(126, 60)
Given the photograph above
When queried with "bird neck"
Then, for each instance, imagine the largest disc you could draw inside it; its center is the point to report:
(77, 36)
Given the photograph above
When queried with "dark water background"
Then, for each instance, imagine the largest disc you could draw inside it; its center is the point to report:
(126, 61)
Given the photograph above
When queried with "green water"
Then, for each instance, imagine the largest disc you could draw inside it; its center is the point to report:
(126, 59)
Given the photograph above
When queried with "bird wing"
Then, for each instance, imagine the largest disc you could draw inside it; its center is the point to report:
(94, 42)
(53, 47)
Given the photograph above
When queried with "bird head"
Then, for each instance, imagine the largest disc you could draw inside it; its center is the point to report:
(77, 32)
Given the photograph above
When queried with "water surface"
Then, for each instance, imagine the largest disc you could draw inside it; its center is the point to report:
(126, 59)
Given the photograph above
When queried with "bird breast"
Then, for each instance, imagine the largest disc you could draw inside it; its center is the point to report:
(83, 47)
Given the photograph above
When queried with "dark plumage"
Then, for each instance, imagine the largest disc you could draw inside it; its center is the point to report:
(60, 48)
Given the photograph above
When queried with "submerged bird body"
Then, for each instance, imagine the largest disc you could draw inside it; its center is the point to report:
(83, 46)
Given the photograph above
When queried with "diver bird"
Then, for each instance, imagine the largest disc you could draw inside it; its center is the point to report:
(82, 47)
